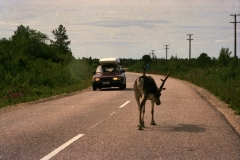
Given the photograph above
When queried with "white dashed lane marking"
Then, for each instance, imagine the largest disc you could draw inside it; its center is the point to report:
(56, 151)
(124, 104)
(111, 113)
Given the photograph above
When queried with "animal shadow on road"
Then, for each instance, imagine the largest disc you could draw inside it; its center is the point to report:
(188, 128)
(179, 128)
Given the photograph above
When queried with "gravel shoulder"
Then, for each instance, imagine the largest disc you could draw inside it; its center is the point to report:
(228, 113)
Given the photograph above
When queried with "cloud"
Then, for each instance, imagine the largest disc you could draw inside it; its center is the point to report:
(219, 41)
(3, 23)
(115, 23)
(195, 27)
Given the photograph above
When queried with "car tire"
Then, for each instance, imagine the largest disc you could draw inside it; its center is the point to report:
(121, 86)
(125, 84)
(94, 88)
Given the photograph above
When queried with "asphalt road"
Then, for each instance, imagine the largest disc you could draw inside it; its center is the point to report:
(102, 124)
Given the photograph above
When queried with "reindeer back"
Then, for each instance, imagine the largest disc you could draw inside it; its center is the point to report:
(148, 83)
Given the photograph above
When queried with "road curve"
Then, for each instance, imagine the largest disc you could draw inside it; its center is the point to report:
(102, 124)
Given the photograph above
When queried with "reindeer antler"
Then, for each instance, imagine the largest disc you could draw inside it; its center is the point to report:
(163, 81)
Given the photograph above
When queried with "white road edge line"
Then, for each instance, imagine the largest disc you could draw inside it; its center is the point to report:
(124, 104)
(56, 151)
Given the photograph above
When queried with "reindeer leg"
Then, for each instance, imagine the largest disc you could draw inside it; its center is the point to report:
(140, 126)
(140, 114)
(152, 112)
(143, 112)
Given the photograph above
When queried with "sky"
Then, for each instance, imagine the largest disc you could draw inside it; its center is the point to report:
(129, 28)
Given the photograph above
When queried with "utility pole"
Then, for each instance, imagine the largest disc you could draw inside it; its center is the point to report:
(235, 33)
(153, 55)
(166, 50)
(189, 45)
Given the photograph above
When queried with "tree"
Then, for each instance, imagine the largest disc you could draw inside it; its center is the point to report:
(21, 41)
(146, 58)
(61, 38)
(27, 41)
(90, 61)
(203, 60)
(224, 56)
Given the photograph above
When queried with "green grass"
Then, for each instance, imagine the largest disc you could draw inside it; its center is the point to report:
(47, 80)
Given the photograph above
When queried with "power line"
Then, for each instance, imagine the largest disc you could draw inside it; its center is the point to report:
(189, 45)
(166, 50)
(235, 33)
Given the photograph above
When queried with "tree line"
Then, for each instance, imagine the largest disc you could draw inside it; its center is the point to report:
(219, 75)
(32, 66)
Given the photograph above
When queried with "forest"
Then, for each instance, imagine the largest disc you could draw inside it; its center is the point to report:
(33, 67)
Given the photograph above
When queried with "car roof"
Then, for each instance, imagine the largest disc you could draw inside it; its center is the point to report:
(109, 61)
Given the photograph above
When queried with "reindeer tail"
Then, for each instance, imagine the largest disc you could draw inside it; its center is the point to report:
(144, 68)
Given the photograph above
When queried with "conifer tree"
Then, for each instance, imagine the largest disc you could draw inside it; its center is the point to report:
(61, 39)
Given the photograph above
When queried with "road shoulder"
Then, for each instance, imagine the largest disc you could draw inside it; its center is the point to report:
(228, 113)
(22, 105)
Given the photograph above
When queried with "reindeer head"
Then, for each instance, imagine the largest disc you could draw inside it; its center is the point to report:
(156, 97)
(158, 92)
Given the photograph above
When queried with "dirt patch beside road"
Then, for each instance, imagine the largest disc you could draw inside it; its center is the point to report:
(222, 107)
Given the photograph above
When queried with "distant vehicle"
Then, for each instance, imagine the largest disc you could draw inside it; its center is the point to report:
(109, 74)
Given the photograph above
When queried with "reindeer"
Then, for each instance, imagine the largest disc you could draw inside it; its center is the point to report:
(146, 88)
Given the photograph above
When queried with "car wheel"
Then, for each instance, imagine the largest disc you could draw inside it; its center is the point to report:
(94, 88)
(125, 85)
(121, 86)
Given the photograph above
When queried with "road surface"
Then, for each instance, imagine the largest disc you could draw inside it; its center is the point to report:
(102, 124)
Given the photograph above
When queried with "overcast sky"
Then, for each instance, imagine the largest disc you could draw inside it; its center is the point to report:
(129, 28)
